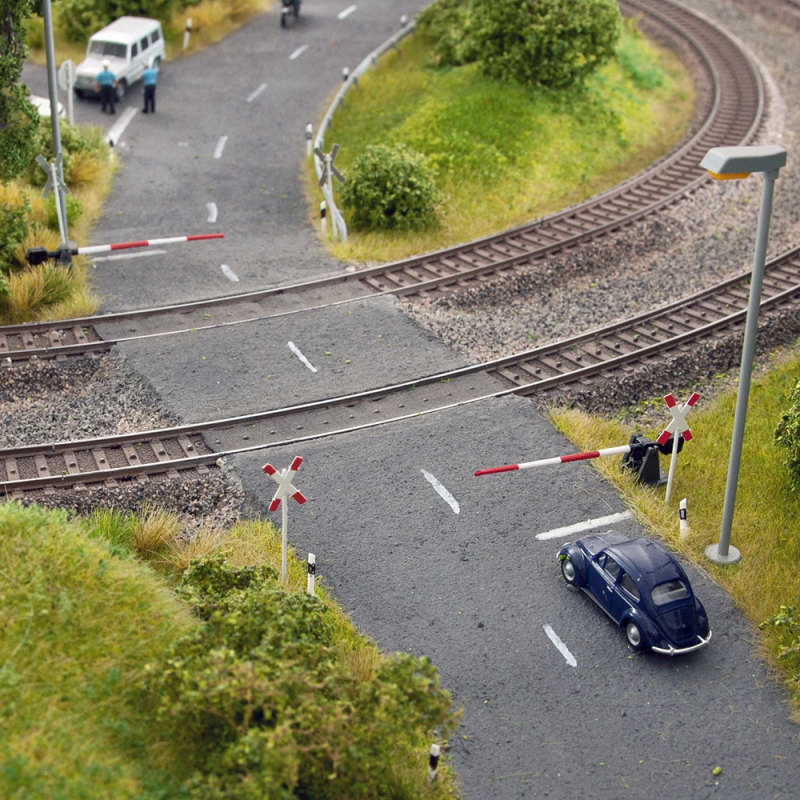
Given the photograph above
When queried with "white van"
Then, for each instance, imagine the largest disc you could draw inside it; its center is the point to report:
(129, 44)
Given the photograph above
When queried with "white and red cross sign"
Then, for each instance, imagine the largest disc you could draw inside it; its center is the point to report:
(284, 481)
(678, 424)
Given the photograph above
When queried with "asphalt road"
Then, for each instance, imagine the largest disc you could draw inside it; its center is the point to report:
(424, 556)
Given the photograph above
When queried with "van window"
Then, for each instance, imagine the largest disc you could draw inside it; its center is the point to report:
(98, 47)
(155, 36)
(134, 50)
(144, 44)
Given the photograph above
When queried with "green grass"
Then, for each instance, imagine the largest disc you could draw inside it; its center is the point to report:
(766, 527)
(506, 154)
(81, 615)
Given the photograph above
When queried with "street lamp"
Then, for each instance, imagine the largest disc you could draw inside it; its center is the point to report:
(725, 164)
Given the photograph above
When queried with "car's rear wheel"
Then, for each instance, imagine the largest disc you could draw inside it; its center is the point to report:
(122, 87)
(568, 571)
(157, 62)
(634, 635)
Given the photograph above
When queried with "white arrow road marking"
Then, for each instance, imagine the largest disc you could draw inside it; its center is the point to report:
(440, 490)
(212, 212)
(252, 96)
(143, 254)
(586, 525)
(296, 350)
(300, 50)
(118, 128)
(346, 13)
(229, 273)
(220, 146)
(560, 646)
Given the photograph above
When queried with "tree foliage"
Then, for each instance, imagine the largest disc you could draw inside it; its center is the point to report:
(79, 19)
(391, 188)
(18, 117)
(554, 43)
(788, 434)
(269, 706)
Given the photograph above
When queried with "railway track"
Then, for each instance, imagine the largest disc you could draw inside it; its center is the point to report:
(732, 114)
(604, 353)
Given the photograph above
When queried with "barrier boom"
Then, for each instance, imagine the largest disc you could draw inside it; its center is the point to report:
(546, 462)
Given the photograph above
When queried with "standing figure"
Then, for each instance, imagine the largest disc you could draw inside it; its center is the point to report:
(149, 78)
(107, 85)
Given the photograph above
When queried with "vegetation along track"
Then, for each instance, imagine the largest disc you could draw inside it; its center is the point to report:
(732, 111)
(604, 354)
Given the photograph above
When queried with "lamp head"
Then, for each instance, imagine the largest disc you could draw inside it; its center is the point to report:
(731, 163)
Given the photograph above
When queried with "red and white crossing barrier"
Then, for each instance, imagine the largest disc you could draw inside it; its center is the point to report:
(106, 248)
(547, 462)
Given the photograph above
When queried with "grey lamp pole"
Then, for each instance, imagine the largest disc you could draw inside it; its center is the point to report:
(731, 163)
(52, 87)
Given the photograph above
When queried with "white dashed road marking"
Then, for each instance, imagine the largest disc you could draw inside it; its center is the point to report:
(346, 13)
(220, 146)
(560, 646)
(229, 273)
(296, 350)
(441, 491)
(143, 254)
(586, 525)
(300, 50)
(212, 212)
(252, 96)
(118, 128)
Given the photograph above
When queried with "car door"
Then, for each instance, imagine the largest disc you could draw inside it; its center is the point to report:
(624, 595)
(602, 578)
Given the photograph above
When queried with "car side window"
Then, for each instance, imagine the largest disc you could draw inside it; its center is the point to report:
(626, 582)
(144, 44)
(155, 36)
(611, 568)
(134, 50)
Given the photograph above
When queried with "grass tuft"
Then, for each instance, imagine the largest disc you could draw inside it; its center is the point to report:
(154, 529)
(181, 552)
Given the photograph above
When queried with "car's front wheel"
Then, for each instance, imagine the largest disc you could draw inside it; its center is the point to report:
(634, 635)
(568, 571)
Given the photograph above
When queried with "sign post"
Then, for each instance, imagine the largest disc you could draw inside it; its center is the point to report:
(676, 429)
(66, 80)
(326, 184)
(55, 184)
(284, 490)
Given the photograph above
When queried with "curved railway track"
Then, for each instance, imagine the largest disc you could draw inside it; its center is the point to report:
(604, 352)
(732, 114)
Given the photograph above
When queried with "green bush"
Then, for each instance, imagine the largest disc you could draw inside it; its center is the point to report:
(391, 188)
(788, 624)
(13, 229)
(74, 211)
(788, 434)
(270, 708)
(79, 19)
(551, 43)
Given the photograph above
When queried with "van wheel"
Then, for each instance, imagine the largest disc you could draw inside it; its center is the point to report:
(79, 93)
(157, 62)
(122, 87)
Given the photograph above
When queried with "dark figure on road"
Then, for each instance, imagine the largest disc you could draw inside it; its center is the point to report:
(149, 78)
(107, 84)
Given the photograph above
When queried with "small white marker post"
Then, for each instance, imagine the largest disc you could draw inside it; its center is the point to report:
(433, 762)
(323, 216)
(684, 534)
(309, 143)
(187, 33)
(345, 74)
(284, 490)
(676, 428)
(312, 571)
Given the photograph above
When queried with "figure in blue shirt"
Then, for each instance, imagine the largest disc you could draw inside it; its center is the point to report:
(106, 84)
(149, 78)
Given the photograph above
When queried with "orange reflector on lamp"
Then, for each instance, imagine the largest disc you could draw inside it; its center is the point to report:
(733, 176)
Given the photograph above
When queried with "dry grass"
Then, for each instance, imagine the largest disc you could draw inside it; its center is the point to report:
(153, 529)
(181, 552)
(363, 659)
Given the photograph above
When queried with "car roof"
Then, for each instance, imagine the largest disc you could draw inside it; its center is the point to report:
(127, 29)
(648, 560)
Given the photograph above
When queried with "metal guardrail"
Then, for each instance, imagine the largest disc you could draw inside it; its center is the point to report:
(339, 227)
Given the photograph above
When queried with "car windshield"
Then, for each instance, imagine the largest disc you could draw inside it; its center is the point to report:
(98, 47)
(669, 592)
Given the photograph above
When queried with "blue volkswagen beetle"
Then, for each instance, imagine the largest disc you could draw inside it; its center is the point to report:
(642, 587)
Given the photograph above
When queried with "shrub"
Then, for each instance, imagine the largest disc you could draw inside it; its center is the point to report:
(787, 623)
(548, 42)
(788, 434)
(13, 230)
(74, 211)
(270, 708)
(446, 24)
(79, 19)
(391, 188)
